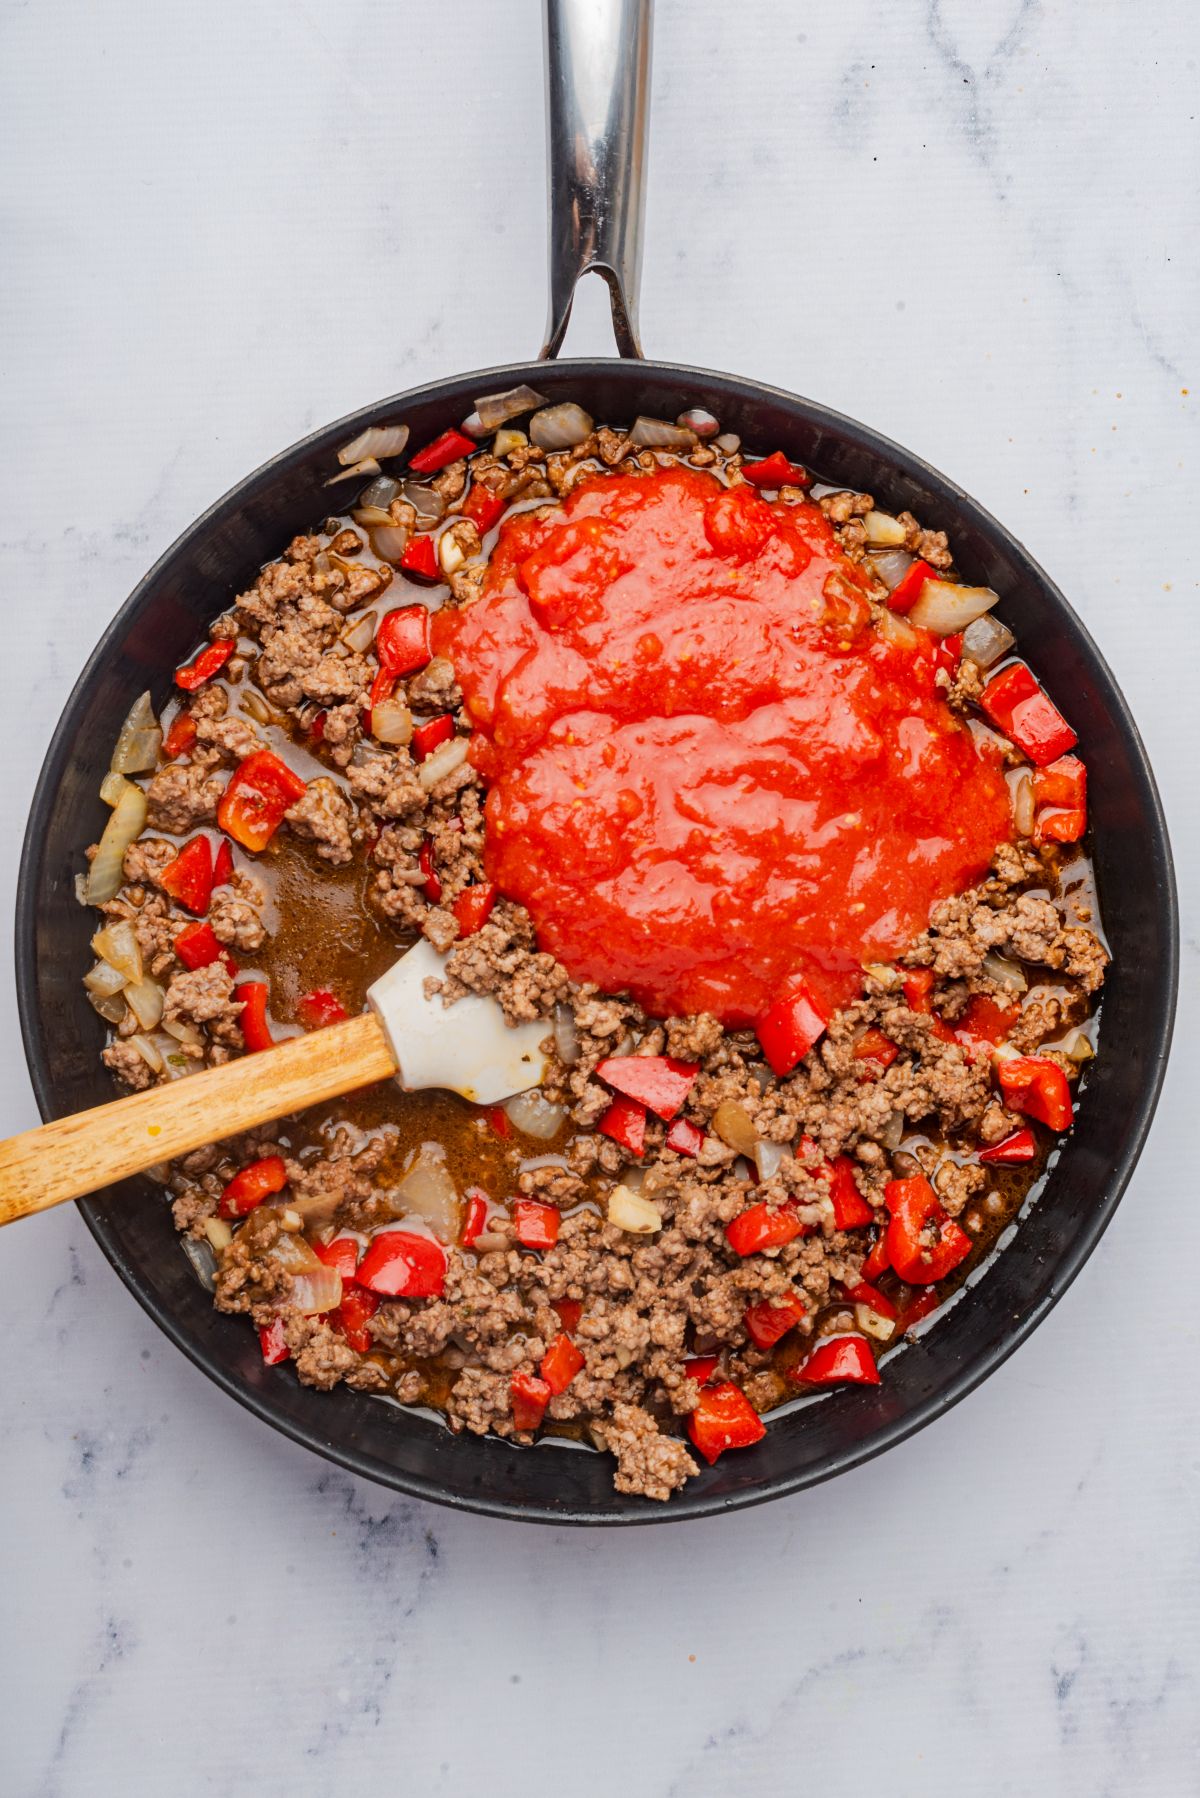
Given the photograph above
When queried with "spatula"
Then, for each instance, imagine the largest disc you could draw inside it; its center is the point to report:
(466, 1048)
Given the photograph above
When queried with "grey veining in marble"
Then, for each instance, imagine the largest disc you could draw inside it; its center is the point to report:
(224, 224)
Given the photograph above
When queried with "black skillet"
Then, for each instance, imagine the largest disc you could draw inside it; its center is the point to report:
(598, 65)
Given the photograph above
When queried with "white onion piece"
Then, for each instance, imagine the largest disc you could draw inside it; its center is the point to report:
(985, 640)
(945, 608)
(175, 1063)
(507, 441)
(442, 762)
(183, 1033)
(148, 1051)
(884, 530)
(729, 443)
(566, 1036)
(111, 788)
(697, 420)
(1005, 972)
(535, 1116)
(370, 515)
(560, 427)
(380, 493)
(822, 489)
(145, 1001)
(124, 826)
(488, 1242)
(1023, 808)
(890, 567)
(495, 409)
(656, 433)
(111, 1006)
(450, 552)
(204, 1265)
(368, 465)
(389, 541)
(255, 706)
(472, 426)
(873, 1323)
(376, 440)
(629, 1211)
(768, 1157)
(138, 741)
(426, 502)
(104, 981)
(897, 630)
(316, 1292)
(360, 635)
(391, 722)
(428, 1192)
(117, 944)
(893, 1131)
(732, 1123)
(1075, 1045)
(219, 1233)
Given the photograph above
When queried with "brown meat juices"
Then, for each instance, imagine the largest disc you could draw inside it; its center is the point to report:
(606, 1269)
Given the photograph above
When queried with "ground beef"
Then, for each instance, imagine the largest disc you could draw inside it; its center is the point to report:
(203, 997)
(648, 1463)
(128, 1065)
(181, 796)
(234, 916)
(499, 959)
(324, 816)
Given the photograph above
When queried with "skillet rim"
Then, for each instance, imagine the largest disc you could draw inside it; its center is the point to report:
(959, 1382)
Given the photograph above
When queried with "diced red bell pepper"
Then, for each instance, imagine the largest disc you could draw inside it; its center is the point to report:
(907, 591)
(625, 1122)
(1037, 1086)
(319, 1008)
(916, 1309)
(569, 1312)
(223, 864)
(839, 1361)
(560, 1363)
(500, 1121)
(1060, 794)
(528, 1397)
(762, 1227)
(775, 471)
(473, 907)
(1018, 706)
(189, 878)
(685, 1137)
(861, 1292)
(260, 791)
(873, 1045)
(210, 661)
(256, 1032)
(700, 1368)
(341, 1254)
(255, 1183)
(850, 1209)
(451, 446)
(1015, 1149)
(427, 737)
(877, 1261)
(402, 640)
(1059, 825)
(351, 1316)
(947, 653)
(918, 986)
(419, 557)
(986, 1020)
(382, 687)
(923, 1243)
(768, 1321)
(537, 1224)
(273, 1343)
(788, 1031)
(197, 946)
(477, 1216)
(402, 1265)
(316, 729)
(723, 1419)
(483, 507)
(180, 737)
(658, 1082)
(433, 886)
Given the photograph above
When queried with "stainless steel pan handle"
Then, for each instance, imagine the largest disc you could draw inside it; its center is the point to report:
(597, 102)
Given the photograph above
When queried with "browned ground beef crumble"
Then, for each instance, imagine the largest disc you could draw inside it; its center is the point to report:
(648, 1302)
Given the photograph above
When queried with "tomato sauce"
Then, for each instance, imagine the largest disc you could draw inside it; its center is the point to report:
(709, 771)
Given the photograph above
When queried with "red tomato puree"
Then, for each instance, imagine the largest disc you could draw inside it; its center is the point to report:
(708, 771)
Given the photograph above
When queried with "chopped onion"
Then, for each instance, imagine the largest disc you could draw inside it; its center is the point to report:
(117, 944)
(822, 490)
(124, 827)
(472, 426)
(360, 635)
(148, 1051)
(112, 786)
(945, 608)
(145, 1001)
(389, 541)
(629, 1211)
(368, 465)
(535, 1116)
(379, 493)
(1022, 810)
(1075, 1046)
(729, 443)
(426, 502)
(175, 1063)
(890, 567)
(733, 1125)
(428, 1192)
(104, 981)
(391, 722)
(656, 433)
(442, 762)
(1007, 973)
(873, 1323)
(884, 530)
(897, 630)
(489, 1241)
(893, 1131)
(255, 706)
(138, 741)
(697, 420)
(451, 554)
(376, 440)
(183, 1033)
(204, 1265)
(111, 1006)
(768, 1158)
(566, 1036)
(370, 515)
(219, 1233)
(986, 640)
(507, 441)
(495, 409)
(560, 427)
(315, 1292)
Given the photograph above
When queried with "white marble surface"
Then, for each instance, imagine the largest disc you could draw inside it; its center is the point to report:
(219, 230)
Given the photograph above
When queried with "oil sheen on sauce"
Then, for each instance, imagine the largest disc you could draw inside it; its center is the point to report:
(709, 772)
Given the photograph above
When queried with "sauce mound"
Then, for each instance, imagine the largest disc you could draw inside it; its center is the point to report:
(708, 770)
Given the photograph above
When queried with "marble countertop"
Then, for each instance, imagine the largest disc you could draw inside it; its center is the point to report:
(225, 224)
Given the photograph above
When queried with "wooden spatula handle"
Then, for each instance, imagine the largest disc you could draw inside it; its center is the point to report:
(77, 1155)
